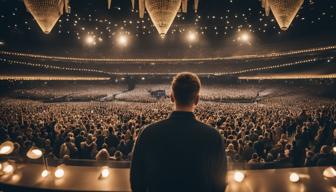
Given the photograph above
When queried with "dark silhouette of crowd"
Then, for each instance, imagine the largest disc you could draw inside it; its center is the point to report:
(256, 135)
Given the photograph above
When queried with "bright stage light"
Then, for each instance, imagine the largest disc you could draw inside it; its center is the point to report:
(294, 177)
(191, 37)
(334, 149)
(244, 37)
(59, 173)
(105, 172)
(238, 176)
(122, 40)
(90, 40)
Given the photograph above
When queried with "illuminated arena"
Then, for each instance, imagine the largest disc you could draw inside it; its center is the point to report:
(89, 91)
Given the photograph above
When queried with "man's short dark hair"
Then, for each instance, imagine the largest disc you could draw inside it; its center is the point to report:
(185, 87)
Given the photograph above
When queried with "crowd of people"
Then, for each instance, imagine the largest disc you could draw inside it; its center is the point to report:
(140, 93)
(257, 135)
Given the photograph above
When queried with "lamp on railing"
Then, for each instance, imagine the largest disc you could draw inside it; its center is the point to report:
(36, 153)
(6, 148)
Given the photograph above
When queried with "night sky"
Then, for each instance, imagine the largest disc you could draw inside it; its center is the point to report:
(217, 25)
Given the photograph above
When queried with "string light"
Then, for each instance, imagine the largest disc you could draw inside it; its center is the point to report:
(109, 60)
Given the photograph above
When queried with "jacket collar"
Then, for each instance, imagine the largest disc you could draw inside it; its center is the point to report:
(182, 114)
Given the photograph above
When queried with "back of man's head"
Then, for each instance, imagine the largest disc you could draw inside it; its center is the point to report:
(185, 88)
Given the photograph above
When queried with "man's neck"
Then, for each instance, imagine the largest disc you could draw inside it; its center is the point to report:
(184, 108)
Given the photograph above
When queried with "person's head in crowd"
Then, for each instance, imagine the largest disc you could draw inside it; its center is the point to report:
(103, 155)
(118, 155)
(325, 149)
(185, 91)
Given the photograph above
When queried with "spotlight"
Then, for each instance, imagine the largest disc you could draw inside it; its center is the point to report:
(244, 37)
(59, 173)
(122, 40)
(45, 173)
(191, 37)
(6, 148)
(294, 177)
(334, 149)
(90, 40)
(105, 172)
(143, 78)
(238, 176)
(329, 172)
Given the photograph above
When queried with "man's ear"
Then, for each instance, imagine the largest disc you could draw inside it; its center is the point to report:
(197, 98)
(172, 99)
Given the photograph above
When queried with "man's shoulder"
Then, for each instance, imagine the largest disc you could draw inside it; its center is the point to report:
(208, 129)
(154, 126)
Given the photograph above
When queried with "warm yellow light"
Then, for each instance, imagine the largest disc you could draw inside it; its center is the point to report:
(59, 173)
(238, 176)
(6, 148)
(245, 37)
(8, 169)
(334, 149)
(329, 172)
(122, 40)
(294, 177)
(34, 153)
(105, 172)
(90, 40)
(192, 36)
(44, 173)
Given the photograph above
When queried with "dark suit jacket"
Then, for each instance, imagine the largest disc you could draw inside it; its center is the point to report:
(179, 154)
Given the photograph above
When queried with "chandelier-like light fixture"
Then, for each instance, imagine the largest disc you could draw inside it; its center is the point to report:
(163, 12)
(46, 12)
(266, 6)
(284, 11)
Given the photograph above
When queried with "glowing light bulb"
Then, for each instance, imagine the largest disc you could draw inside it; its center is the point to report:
(238, 176)
(90, 40)
(245, 37)
(8, 169)
(5, 150)
(294, 177)
(59, 173)
(329, 172)
(191, 37)
(122, 40)
(334, 149)
(105, 172)
(44, 173)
